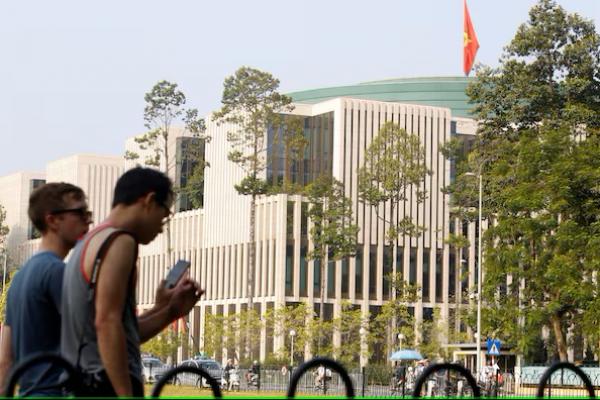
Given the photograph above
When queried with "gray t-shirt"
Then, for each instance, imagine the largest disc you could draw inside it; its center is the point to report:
(79, 343)
(33, 314)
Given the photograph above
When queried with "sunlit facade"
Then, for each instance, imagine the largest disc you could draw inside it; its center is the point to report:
(339, 124)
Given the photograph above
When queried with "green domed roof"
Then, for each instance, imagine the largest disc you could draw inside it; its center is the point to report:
(435, 91)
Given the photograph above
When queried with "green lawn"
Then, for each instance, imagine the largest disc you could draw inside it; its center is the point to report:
(189, 391)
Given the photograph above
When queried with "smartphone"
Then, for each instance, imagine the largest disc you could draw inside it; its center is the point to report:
(176, 273)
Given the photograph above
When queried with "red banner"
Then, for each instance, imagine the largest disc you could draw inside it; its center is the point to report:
(470, 43)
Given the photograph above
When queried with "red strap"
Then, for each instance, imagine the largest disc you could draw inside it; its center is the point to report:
(87, 239)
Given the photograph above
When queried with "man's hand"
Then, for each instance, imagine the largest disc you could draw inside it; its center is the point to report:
(183, 297)
(163, 295)
(170, 304)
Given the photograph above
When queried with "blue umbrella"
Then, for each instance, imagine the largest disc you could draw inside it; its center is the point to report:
(406, 355)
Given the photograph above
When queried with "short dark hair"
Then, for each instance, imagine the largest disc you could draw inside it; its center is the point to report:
(138, 182)
(48, 198)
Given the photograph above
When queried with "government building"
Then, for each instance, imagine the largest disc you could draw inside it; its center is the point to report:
(339, 124)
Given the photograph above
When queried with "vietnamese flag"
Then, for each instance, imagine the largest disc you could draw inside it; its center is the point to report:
(470, 43)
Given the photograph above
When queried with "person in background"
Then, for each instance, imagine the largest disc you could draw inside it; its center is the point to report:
(227, 370)
(253, 374)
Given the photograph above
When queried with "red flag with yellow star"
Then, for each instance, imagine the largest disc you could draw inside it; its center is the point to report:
(470, 43)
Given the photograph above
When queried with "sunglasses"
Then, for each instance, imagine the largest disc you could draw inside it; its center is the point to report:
(167, 209)
(82, 212)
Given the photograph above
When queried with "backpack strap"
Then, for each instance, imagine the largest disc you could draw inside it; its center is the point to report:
(94, 279)
(100, 257)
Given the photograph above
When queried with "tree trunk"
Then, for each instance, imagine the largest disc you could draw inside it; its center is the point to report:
(251, 252)
(287, 175)
(392, 294)
(322, 305)
(250, 277)
(168, 224)
(561, 344)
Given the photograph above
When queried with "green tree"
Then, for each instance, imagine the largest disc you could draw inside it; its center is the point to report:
(393, 172)
(294, 143)
(287, 318)
(3, 228)
(332, 232)
(4, 296)
(320, 333)
(394, 317)
(348, 325)
(214, 331)
(538, 152)
(394, 166)
(4, 259)
(249, 326)
(434, 334)
(165, 106)
(232, 332)
(164, 344)
(252, 103)
(194, 188)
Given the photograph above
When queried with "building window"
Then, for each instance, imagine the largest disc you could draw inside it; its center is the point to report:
(439, 276)
(303, 271)
(378, 352)
(425, 275)
(32, 231)
(289, 270)
(317, 277)
(427, 314)
(400, 260)
(290, 220)
(358, 281)
(345, 277)
(465, 279)
(451, 320)
(316, 159)
(189, 154)
(373, 273)
(304, 220)
(452, 275)
(387, 271)
(412, 276)
(331, 279)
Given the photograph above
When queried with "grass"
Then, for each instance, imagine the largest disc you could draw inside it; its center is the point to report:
(192, 392)
(170, 391)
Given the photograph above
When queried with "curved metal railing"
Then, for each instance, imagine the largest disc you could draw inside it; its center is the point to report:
(72, 383)
(436, 368)
(461, 384)
(564, 365)
(317, 362)
(172, 373)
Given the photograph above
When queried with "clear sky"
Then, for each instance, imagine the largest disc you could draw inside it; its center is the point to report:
(75, 72)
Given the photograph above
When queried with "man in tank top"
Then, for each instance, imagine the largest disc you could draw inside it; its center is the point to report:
(101, 333)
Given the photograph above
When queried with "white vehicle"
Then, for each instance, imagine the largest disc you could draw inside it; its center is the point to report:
(211, 366)
(152, 369)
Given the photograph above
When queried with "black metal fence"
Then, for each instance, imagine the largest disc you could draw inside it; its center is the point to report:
(322, 376)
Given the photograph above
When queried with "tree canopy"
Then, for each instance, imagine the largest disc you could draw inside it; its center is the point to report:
(393, 170)
(538, 151)
(252, 104)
